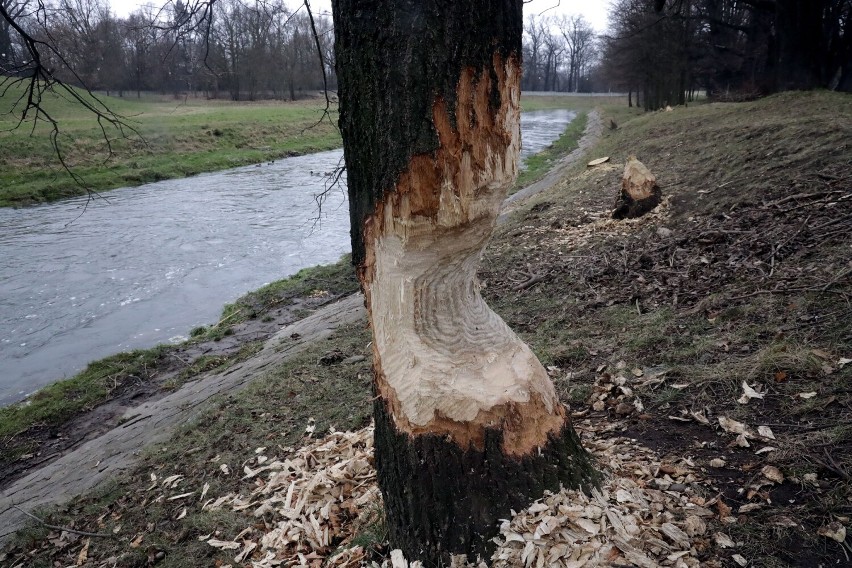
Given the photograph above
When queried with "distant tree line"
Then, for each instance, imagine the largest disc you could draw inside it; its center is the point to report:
(659, 51)
(560, 54)
(239, 49)
(663, 51)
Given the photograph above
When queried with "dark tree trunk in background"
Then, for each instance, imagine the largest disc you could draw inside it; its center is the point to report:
(468, 425)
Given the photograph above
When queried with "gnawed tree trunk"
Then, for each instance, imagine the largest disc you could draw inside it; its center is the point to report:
(468, 425)
(639, 191)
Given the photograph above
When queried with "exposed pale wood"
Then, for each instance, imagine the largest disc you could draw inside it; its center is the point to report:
(639, 191)
(448, 364)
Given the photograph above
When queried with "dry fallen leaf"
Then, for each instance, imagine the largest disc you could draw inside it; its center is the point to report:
(834, 531)
(732, 426)
(717, 462)
(742, 441)
(740, 560)
(766, 432)
(772, 473)
(700, 417)
(783, 521)
(748, 394)
(83, 557)
(723, 540)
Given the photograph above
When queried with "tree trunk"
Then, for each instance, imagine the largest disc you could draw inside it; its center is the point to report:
(468, 425)
(801, 44)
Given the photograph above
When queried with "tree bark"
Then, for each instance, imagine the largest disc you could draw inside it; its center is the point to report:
(468, 425)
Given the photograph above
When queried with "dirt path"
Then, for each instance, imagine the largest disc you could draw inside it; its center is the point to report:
(116, 450)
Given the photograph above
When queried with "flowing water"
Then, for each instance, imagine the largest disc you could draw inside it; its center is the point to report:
(145, 265)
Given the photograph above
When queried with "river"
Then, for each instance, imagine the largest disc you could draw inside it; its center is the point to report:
(80, 280)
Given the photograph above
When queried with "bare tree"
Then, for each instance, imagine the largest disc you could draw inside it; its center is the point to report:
(534, 34)
(580, 47)
(8, 50)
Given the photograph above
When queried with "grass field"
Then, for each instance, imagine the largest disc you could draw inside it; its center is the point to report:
(172, 138)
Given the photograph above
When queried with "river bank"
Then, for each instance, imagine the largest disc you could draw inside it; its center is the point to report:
(649, 328)
(165, 139)
(82, 280)
(66, 414)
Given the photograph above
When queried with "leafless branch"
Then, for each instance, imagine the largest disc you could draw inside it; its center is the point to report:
(38, 80)
(325, 112)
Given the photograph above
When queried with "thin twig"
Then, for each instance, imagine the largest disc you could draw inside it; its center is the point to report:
(326, 111)
(66, 529)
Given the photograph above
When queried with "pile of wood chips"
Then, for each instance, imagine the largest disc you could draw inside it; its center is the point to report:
(314, 503)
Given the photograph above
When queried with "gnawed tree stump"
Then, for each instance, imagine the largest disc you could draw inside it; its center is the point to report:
(639, 191)
(468, 424)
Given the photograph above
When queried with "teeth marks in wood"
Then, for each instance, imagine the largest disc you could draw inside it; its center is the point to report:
(445, 361)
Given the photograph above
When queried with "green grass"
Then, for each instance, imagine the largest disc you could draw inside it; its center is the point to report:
(331, 280)
(165, 139)
(578, 103)
(57, 403)
(176, 138)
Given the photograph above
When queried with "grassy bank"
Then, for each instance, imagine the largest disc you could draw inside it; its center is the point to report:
(742, 274)
(578, 102)
(60, 408)
(173, 138)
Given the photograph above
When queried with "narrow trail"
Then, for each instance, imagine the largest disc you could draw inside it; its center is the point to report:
(117, 450)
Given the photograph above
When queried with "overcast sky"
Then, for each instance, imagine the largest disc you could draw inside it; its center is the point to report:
(594, 10)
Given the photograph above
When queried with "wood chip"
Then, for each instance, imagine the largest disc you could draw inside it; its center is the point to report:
(314, 500)
(772, 473)
(834, 531)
